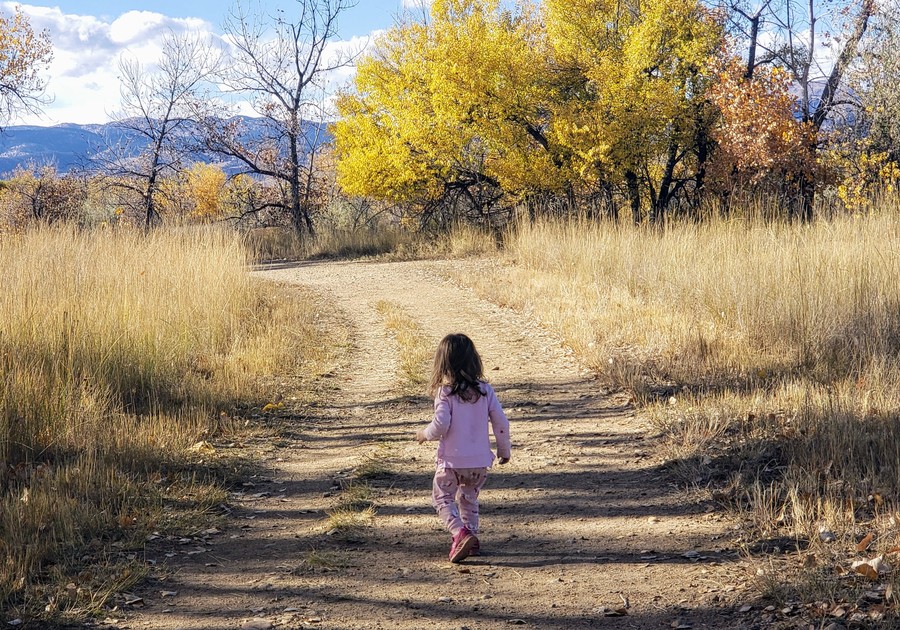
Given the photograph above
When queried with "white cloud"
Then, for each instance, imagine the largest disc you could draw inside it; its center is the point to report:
(83, 76)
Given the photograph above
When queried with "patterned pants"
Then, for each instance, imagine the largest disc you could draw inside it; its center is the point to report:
(455, 496)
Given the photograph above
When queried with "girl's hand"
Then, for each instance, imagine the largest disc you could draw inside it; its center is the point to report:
(420, 436)
(503, 460)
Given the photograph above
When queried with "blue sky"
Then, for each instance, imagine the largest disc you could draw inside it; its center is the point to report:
(366, 16)
(90, 36)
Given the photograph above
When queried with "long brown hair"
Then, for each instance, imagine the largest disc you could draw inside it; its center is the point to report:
(458, 365)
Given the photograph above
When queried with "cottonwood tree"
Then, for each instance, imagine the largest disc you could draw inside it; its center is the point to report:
(451, 114)
(283, 63)
(24, 55)
(635, 76)
(150, 137)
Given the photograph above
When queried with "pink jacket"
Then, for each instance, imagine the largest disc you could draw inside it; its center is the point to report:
(462, 428)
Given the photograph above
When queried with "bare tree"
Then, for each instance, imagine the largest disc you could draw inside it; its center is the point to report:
(150, 136)
(796, 39)
(740, 12)
(283, 63)
(875, 83)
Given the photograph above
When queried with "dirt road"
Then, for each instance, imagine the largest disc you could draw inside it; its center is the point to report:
(583, 529)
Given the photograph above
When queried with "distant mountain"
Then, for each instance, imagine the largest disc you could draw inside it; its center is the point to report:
(70, 147)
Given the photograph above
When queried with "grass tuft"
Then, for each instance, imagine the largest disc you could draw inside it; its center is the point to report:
(414, 348)
(343, 521)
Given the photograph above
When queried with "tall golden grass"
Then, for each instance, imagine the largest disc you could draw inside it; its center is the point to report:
(768, 354)
(118, 350)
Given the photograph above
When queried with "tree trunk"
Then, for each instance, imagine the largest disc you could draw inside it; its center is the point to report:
(149, 202)
(612, 209)
(665, 186)
(634, 194)
(751, 55)
(297, 211)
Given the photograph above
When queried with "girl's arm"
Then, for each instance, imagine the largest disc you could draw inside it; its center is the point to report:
(500, 427)
(438, 427)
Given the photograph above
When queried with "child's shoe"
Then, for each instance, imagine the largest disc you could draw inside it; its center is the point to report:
(462, 545)
(476, 548)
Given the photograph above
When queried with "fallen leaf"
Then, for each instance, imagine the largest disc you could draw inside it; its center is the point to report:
(871, 568)
(257, 624)
(865, 542)
(866, 570)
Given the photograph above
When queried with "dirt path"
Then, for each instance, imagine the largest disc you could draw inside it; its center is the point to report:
(583, 522)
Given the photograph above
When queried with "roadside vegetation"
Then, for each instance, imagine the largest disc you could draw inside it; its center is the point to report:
(765, 354)
(123, 356)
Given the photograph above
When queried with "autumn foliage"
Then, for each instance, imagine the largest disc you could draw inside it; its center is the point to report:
(758, 136)
(24, 54)
(585, 103)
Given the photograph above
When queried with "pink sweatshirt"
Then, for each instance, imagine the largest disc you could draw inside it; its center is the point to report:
(462, 428)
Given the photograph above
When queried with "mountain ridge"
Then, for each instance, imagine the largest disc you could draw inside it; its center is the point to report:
(73, 146)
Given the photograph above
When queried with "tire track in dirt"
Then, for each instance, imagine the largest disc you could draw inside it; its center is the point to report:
(583, 522)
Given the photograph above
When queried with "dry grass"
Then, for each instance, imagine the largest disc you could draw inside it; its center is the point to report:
(269, 244)
(414, 348)
(118, 351)
(391, 243)
(765, 353)
(343, 522)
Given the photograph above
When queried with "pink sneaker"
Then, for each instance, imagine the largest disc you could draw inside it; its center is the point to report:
(462, 545)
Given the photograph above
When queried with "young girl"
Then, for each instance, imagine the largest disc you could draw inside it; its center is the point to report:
(464, 404)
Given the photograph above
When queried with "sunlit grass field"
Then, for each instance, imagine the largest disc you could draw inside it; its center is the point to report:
(119, 351)
(766, 354)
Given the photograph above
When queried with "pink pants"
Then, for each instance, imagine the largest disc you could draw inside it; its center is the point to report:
(460, 486)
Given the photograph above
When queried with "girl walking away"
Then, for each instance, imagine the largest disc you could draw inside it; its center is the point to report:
(464, 406)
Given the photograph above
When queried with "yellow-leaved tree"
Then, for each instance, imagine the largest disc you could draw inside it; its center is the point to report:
(24, 54)
(635, 113)
(453, 114)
